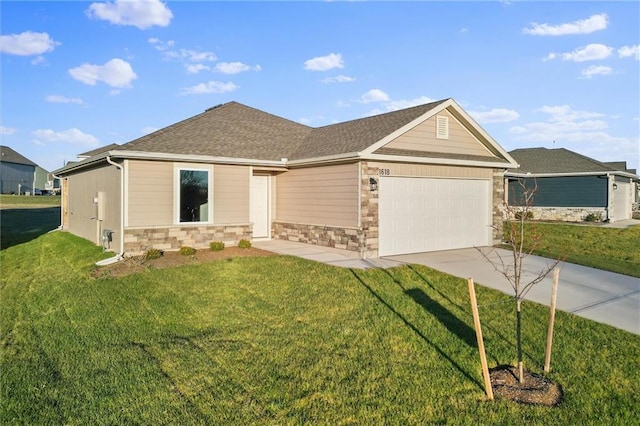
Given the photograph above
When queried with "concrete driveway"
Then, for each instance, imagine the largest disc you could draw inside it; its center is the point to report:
(601, 296)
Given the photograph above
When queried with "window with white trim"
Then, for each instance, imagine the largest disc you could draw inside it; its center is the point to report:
(193, 190)
(442, 127)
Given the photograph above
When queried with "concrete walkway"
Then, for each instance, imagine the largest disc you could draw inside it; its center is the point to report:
(598, 295)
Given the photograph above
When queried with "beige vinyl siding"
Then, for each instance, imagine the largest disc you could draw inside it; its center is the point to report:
(325, 195)
(430, 170)
(150, 193)
(82, 215)
(423, 138)
(231, 186)
(151, 188)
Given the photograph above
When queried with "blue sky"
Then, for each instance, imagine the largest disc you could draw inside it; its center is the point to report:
(78, 75)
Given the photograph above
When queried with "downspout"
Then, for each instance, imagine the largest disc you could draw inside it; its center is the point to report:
(120, 255)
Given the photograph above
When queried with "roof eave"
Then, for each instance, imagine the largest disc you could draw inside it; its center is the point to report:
(568, 174)
(439, 160)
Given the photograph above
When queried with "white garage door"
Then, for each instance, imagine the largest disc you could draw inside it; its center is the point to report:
(423, 214)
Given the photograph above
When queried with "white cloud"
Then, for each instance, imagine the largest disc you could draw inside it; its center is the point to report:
(142, 14)
(27, 43)
(407, 103)
(582, 131)
(583, 26)
(374, 95)
(324, 63)
(210, 87)
(235, 67)
(191, 59)
(596, 70)
(71, 136)
(590, 52)
(561, 113)
(626, 51)
(338, 79)
(64, 100)
(496, 115)
(7, 130)
(196, 68)
(116, 73)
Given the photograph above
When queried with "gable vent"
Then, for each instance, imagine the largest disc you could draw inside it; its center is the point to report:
(442, 127)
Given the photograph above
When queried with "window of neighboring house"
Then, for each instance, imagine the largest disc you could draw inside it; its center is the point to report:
(193, 195)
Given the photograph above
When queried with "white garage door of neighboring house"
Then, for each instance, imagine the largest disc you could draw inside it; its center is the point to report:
(622, 201)
(424, 214)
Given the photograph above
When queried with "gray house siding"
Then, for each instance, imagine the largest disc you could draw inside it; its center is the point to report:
(570, 191)
(16, 178)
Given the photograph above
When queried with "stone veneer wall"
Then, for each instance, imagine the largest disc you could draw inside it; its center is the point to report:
(363, 239)
(369, 211)
(498, 207)
(345, 238)
(139, 240)
(567, 214)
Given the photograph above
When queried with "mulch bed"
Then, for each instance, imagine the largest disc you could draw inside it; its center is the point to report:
(135, 264)
(536, 389)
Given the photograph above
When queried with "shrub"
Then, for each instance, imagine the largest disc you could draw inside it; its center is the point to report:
(153, 254)
(244, 244)
(216, 246)
(593, 217)
(528, 216)
(187, 251)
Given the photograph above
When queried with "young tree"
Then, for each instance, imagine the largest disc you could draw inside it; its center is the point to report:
(522, 241)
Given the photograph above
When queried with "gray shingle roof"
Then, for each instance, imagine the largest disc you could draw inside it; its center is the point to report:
(8, 155)
(558, 160)
(229, 130)
(238, 131)
(99, 150)
(357, 135)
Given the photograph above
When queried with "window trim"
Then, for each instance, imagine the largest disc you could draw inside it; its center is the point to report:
(177, 169)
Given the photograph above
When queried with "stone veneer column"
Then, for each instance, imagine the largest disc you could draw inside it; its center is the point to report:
(368, 211)
(498, 210)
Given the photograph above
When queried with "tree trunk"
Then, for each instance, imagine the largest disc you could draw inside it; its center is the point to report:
(519, 340)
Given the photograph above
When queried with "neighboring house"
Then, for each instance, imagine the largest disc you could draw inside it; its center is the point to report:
(572, 186)
(17, 173)
(419, 179)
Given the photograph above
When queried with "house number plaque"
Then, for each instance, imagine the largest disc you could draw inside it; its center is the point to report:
(384, 172)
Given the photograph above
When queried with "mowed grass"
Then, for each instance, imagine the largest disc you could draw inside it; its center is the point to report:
(610, 249)
(19, 201)
(281, 340)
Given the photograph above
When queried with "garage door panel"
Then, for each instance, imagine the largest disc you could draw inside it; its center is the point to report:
(423, 214)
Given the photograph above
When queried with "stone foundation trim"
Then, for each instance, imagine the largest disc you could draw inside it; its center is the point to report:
(139, 240)
(340, 237)
(567, 214)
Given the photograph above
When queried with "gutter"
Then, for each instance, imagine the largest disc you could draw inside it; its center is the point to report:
(568, 174)
(120, 255)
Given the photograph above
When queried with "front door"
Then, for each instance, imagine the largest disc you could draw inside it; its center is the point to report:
(260, 206)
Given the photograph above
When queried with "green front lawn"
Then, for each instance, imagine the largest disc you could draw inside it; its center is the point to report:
(280, 340)
(610, 249)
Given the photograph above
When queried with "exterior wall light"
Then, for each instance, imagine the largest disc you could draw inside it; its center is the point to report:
(373, 184)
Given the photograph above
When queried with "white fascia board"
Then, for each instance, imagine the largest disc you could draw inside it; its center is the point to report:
(484, 134)
(326, 159)
(140, 155)
(402, 130)
(603, 173)
(438, 160)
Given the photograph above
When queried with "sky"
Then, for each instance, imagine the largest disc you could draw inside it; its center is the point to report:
(79, 75)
